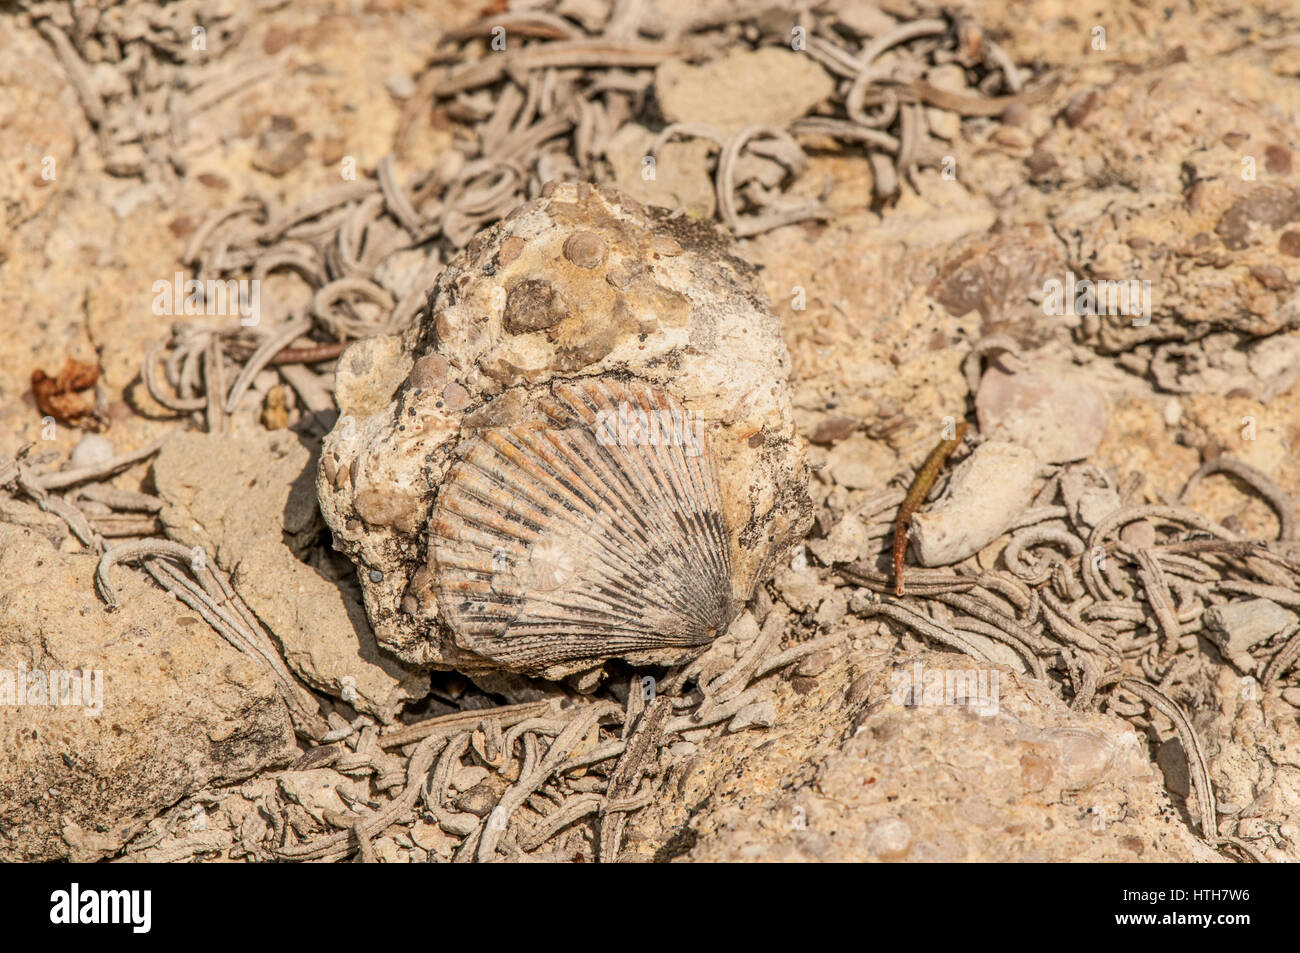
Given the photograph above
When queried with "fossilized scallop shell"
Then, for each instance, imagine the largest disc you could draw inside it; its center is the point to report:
(592, 530)
(546, 543)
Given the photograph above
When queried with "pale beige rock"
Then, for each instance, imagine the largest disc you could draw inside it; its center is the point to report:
(387, 851)
(742, 88)
(1058, 33)
(1209, 249)
(38, 143)
(1089, 494)
(1253, 742)
(856, 775)
(866, 18)
(843, 544)
(664, 300)
(176, 709)
(316, 790)
(757, 715)
(92, 449)
(987, 491)
(802, 589)
(832, 609)
(432, 838)
(680, 177)
(246, 500)
(998, 275)
(855, 475)
(1056, 413)
(1238, 626)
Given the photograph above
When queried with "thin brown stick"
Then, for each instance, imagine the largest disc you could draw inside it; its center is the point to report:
(294, 355)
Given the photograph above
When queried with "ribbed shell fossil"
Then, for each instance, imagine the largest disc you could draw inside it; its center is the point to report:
(561, 538)
(501, 511)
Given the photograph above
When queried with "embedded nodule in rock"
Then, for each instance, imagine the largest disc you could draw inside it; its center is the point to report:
(533, 305)
(583, 450)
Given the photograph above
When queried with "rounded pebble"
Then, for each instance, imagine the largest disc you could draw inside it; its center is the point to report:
(91, 451)
(888, 836)
(1173, 412)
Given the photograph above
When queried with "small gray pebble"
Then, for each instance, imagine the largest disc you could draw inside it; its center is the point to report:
(93, 449)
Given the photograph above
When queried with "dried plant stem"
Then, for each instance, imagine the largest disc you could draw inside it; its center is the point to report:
(98, 471)
(336, 846)
(532, 777)
(580, 53)
(447, 725)
(626, 775)
(1285, 656)
(968, 104)
(853, 99)
(1196, 762)
(214, 599)
(1273, 494)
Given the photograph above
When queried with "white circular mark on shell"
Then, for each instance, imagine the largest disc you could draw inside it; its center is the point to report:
(551, 564)
(591, 530)
(91, 451)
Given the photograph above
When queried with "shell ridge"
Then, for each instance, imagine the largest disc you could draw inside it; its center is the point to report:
(637, 505)
(634, 466)
(604, 394)
(614, 546)
(689, 521)
(514, 455)
(553, 543)
(486, 513)
(702, 479)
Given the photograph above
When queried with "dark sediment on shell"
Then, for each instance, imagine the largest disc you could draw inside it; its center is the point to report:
(592, 531)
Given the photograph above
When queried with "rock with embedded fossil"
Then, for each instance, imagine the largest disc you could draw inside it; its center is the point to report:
(583, 449)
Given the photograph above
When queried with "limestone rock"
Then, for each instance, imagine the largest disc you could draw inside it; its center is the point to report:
(681, 171)
(168, 708)
(742, 88)
(1054, 412)
(863, 775)
(580, 285)
(246, 499)
(987, 491)
(1199, 215)
(38, 144)
(1238, 626)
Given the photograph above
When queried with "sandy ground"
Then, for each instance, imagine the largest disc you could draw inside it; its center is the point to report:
(1163, 149)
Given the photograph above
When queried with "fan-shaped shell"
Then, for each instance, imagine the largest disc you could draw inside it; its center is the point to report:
(594, 529)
